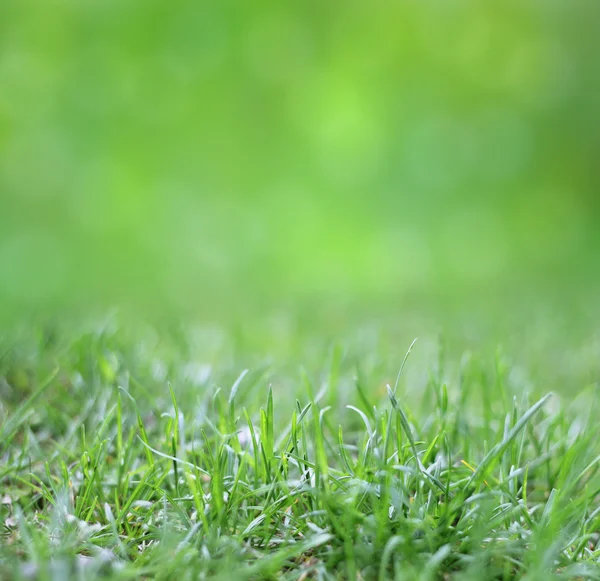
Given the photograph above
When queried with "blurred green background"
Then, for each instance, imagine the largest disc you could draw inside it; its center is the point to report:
(217, 156)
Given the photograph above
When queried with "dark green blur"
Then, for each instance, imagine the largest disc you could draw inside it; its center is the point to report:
(200, 155)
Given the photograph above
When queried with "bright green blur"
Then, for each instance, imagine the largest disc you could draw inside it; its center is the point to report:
(200, 153)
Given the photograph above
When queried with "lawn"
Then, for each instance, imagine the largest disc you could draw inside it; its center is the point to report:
(274, 200)
(192, 453)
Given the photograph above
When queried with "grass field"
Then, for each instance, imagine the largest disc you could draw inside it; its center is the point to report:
(281, 454)
(277, 198)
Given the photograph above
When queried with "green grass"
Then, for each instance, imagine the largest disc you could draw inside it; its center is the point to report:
(149, 457)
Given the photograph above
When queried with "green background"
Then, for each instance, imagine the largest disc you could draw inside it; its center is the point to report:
(226, 156)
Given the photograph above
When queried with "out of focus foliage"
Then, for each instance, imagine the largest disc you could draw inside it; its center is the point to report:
(193, 151)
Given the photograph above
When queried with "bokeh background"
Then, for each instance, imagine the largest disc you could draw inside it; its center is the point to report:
(220, 157)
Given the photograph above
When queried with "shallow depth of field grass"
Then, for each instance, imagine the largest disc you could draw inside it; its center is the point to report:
(202, 456)
(314, 186)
